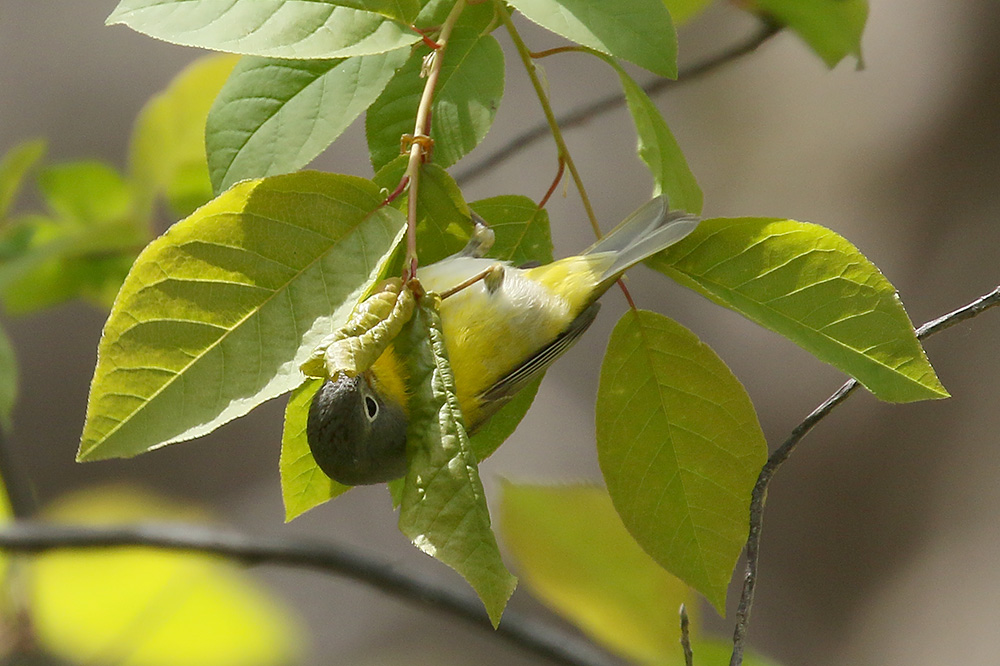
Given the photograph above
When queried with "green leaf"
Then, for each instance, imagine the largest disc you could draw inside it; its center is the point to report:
(639, 31)
(682, 11)
(167, 153)
(659, 150)
(303, 484)
(480, 16)
(443, 509)
(521, 228)
(816, 289)
(468, 93)
(218, 313)
(91, 192)
(14, 166)
(680, 448)
(8, 390)
(831, 28)
(443, 224)
(156, 608)
(273, 28)
(274, 116)
(577, 557)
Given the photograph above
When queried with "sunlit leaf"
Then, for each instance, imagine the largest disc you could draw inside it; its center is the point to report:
(468, 93)
(717, 652)
(443, 509)
(14, 166)
(816, 289)
(218, 313)
(274, 28)
(146, 607)
(831, 28)
(8, 386)
(680, 448)
(275, 115)
(639, 31)
(659, 150)
(521, 228)
(577, 557)
(303, 484)
(167, 153)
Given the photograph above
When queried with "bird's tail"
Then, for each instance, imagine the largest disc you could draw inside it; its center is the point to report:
(651, 228)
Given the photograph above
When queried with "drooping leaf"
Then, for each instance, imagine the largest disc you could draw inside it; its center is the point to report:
(812, 286)
(8, 388)
(682, 11)
(14, 166)
(274, 28)
(218, 313)
(680, 448)
(468, 93)
(275, 115)
(156, 608)
(577, 557)
(658, 148)
(831, 28)
(639, 31)
(303, 484)
(443, 509)
(167, 153)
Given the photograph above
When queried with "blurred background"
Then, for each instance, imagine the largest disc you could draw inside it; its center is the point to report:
(883, 530)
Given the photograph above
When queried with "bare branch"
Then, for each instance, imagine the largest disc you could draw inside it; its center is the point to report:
(686, 637)
(518, 630)
(782, 453)
(586, 113)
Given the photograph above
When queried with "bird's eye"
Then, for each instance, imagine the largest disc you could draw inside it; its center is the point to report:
(371, 408)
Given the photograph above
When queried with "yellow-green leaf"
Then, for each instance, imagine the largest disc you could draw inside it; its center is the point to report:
(443, 509)
(303, 483)
(8, 385)
(812, 286)
(147, 607)
(577, 557)
(680, 448)
(167, 153)
(217, 315)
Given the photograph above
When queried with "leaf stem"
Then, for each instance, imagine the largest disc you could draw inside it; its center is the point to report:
(782, 453)
(515, 628)
(419, 148)
(550, 116)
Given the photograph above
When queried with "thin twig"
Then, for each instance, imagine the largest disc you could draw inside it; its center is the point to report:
(613, 101)
(686, 637)
(523, 632)
(782, 453)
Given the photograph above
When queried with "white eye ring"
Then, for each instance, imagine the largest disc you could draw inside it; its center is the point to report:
(371, 408)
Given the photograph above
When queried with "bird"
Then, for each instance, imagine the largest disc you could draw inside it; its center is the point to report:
(502, 325)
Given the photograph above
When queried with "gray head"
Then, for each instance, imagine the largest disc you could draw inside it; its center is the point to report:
(356, 437)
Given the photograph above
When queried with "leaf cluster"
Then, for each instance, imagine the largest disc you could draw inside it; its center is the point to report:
(220, 313)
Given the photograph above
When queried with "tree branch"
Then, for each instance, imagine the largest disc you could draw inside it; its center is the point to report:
(612, 101)
(518, 630)
(782, 453)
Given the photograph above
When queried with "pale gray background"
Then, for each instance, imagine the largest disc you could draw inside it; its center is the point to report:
(882, 532)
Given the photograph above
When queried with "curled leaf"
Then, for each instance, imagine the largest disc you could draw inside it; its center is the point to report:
(373, 325)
